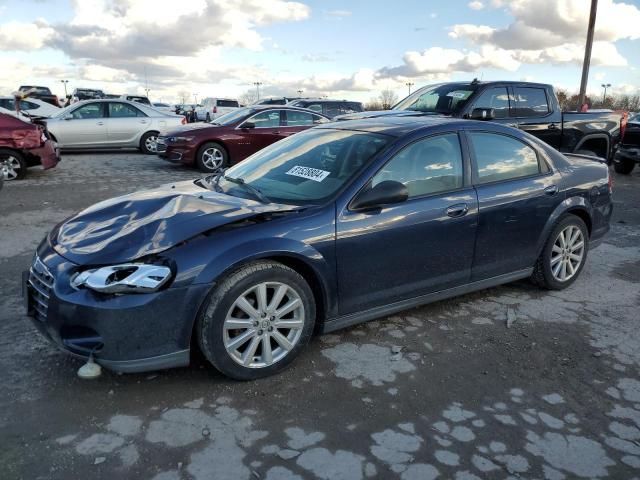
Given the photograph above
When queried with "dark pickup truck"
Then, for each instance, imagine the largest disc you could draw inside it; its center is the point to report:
(532, 107)
(41, 93)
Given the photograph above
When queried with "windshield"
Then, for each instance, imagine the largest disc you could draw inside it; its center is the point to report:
(306, 168)
(232, 117)
(443, 98)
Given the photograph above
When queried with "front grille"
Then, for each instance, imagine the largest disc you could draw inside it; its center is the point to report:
(40, 287)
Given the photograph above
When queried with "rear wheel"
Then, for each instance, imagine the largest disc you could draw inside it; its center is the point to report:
(148, 143)
(12, 165)
(564, 254)
(257, 320)
(212, 157)
(624, 166)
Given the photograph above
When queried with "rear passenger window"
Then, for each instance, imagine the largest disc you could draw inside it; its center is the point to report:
(496, 98)
(499, 157)
(426, 167)
(530, 102)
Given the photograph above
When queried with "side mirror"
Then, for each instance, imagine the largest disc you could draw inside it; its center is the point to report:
(68, 116)
(384, 193)
(483, 114)
(248, 125)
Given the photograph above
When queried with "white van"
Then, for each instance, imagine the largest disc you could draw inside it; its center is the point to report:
(214, 107)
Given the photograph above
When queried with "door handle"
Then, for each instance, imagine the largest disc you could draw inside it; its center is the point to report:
(552, 126)
(458, 210)
(100, 123)
(143, 121)
(551, 190)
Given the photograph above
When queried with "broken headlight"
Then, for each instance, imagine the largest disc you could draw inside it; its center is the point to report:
(125, 278)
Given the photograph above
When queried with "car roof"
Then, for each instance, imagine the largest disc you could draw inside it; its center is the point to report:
(283, 107)
(398, 126)
(315, 100)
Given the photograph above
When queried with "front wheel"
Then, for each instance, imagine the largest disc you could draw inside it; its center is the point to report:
(564, 255)
(12, 165)
(257, 321)
(149, 143)
(624, 166)
(212, 157)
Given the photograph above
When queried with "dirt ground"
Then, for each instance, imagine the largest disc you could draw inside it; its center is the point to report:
(446, 390)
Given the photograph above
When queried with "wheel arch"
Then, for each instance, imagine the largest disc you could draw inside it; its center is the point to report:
(577, 206)
(599, 143)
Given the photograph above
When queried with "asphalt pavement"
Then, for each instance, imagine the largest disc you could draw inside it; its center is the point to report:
(512, 382)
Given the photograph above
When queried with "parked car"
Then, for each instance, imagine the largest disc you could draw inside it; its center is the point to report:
(233, 137)
(330, 108)
(164, 108)
(22, 145)
(98, 124)
(215, 107)
(80, 94)
(33, 106)
(137, 98)
(275, 100)
(628, 153)
(532, 107)
(41, 93)
(334, 226)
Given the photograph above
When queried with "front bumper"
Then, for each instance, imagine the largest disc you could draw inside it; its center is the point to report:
(176, 153)
(48, 154)
(125, 333)
(627, 153)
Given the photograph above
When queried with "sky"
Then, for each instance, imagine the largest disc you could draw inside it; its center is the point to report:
(340, 49)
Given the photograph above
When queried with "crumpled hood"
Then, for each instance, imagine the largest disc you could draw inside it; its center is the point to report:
(125, 228)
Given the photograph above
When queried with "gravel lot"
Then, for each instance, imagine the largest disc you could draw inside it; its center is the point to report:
(447, 389)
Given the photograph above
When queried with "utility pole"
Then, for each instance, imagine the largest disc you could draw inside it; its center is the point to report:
(146, 92)
(604, 95)
(64, 82)
(257, 84)
(409, 84)
(195, 98)
(587, 53)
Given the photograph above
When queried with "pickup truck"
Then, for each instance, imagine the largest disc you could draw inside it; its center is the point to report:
(628, 154)
(41, 93)
(532, 107)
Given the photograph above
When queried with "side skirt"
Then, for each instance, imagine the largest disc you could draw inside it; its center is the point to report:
(345, 321)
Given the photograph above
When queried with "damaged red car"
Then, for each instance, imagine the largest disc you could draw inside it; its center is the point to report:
(24, 145)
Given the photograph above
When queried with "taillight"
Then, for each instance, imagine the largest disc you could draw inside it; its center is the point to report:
(183, 121)
(623, 125)
(215, 109)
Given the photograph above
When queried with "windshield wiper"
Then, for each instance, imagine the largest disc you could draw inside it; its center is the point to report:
(256, 193)
(213, 181)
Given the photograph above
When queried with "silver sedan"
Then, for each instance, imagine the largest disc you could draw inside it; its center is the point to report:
(96, 124)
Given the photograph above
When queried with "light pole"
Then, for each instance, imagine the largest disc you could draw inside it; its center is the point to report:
(257, 84)
(146, 92)
(64, 82)
(409, 84)
(195, 98)
(604, 95)
(300, 92)
(587, 53)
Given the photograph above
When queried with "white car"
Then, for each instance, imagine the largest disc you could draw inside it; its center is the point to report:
(214, 107)
(32, 106)
(164, 108)
(110, 123)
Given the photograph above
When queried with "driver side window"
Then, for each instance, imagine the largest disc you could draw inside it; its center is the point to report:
(89, 111)
(428, 166)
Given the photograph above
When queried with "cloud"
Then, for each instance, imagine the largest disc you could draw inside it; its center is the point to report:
(23, 36)
(476, 5)
(558, 35)
(438, 60)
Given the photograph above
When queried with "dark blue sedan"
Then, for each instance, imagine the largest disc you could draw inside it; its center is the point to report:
(331, 227)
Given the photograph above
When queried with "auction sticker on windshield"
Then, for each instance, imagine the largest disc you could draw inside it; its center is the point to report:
(309, 173)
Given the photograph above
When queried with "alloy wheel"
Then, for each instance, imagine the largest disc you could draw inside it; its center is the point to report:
(264, 324)
(567, 253)
(212, 158)
(9, 167)
(151, 143)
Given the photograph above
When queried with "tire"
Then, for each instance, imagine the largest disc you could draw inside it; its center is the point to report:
(624, 166)
(12, 165)
(548, 270)
(207, 118)
(212, 157)
(248, 359)
(148, 143)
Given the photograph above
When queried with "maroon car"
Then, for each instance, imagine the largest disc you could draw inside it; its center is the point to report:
(231, 138)
(23, 145)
